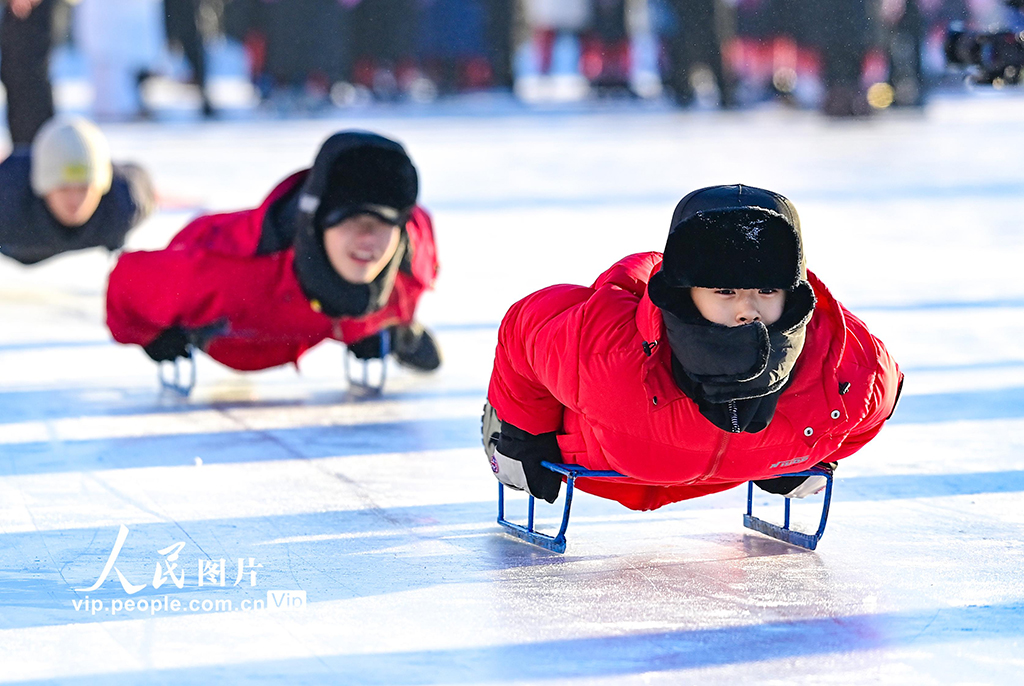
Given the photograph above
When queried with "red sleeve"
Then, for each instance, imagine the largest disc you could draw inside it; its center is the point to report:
(149, 292)
(536, 365)
(883, 388)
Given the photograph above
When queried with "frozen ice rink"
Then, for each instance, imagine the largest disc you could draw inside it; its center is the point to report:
(382, 511)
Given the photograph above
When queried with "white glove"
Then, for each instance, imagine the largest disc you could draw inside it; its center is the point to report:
(508, 471)
(535, 449)
(810, 486)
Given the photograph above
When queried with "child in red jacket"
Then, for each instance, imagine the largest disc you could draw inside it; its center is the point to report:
(338, 251)
(721, 361)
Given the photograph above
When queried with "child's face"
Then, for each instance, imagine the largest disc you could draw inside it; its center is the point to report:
(739, 306)
(73, 205)
(360, 247)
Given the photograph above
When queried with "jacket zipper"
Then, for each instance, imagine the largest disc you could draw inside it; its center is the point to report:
(734, 417)
(716, 459)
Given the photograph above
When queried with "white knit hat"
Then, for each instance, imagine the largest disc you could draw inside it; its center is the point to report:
(70, 151)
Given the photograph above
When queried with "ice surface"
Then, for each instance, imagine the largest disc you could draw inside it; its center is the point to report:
(382, 510)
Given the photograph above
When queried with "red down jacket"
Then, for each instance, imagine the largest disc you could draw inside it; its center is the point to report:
(571, 359)
(210, 274)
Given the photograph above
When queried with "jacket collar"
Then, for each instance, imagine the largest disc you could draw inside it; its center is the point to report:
(826, 340)
(276, 229)
(658, 383)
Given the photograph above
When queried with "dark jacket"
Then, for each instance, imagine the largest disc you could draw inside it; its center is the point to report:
(29, 232)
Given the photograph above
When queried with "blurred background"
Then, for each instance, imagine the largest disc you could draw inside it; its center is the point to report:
(117, 60)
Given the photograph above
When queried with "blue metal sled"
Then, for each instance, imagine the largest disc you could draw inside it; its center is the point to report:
(554, 543)
(784, 533)
(366, 386)
(175, 381)
(572, 472)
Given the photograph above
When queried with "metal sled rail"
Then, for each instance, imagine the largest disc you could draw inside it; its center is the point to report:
(784, 533)
(364, 386)
(554, 543)
(174, 382)
(572, 472)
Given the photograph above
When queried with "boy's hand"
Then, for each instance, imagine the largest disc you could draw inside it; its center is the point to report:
(516, 457)
(169, 345)
(369, 348)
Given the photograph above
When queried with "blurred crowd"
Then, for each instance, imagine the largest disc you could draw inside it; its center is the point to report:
(305, 54)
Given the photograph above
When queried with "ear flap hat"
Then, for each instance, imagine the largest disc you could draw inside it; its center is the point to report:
(736, 237)
(355, 172)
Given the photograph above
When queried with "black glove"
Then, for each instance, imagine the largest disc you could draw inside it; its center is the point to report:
(169, 345)
(415, 347)
(530, 451)
(369, 348)
(789, 486)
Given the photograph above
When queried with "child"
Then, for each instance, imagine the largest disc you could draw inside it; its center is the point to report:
(722, 361)
(338, 251)
(64, 194)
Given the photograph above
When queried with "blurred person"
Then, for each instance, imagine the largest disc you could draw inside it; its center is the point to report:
(501, 17)
(341, 250)
(550, 19)
(384, 42)
(26, 38)
(123, 42)
(242, 22)
(719, 361)
(841, 30)
(772, 55)
(904, 45)
(64, 194)
(308, 48)
(452, 44)
(181, 23)
(606, 59)
(703, 27)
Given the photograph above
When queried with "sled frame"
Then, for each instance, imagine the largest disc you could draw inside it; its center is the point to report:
(557, 542)
(173, 380)
(365, 385)
(784, 532)
(528, 532)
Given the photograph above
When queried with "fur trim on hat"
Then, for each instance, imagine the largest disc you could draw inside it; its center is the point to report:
(749, 247)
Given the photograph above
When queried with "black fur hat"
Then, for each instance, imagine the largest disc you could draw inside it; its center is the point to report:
(360, 172)
(733, 237)
(355, 172)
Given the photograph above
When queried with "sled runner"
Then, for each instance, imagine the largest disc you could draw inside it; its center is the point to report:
(571, 472)
(784, 533)
(554, 543)
(371, 383)
(174, 381)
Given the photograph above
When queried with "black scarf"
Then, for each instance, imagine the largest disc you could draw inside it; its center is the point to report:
(736, 374)
(285, 226)
(335, 296)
